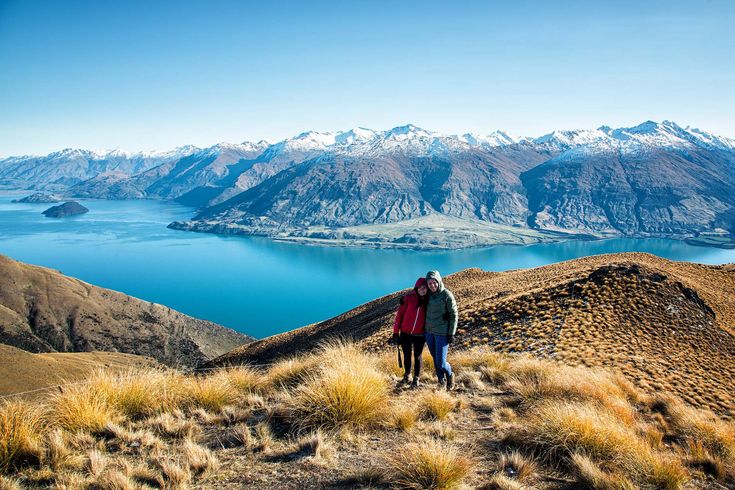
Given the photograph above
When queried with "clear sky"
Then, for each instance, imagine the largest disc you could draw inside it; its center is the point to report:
(158, 74)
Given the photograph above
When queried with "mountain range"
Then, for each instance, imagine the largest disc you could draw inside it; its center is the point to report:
(388, 188)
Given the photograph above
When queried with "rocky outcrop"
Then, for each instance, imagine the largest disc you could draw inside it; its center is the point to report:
(42, 310)
(38, 197)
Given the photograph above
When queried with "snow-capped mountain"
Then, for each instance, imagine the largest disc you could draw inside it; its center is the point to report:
(653, 179)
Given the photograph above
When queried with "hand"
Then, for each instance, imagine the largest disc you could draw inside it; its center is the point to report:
(450, 339)
(393, 340)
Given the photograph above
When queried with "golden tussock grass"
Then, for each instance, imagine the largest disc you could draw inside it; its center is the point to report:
(590, 475)
(402, 416)
(427, 464)
(436, 405)
(520, 466)
(168, 425)
(21, 424)
(551, 381)
(714, 434)
(292, 371)
(316, 445)
(80, 408)
(199, 459)
(114, 479)
(209, 392)
(7, 483)
(347, 392)
(138, 393)
(560, 429)
(244, 379)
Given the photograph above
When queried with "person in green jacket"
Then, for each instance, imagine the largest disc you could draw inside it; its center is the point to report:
(440, 327)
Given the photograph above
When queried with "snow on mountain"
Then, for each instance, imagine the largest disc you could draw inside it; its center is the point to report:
(494, 139)
(571, 138)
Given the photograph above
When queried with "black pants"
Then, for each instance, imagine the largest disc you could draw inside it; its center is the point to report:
(415, 342)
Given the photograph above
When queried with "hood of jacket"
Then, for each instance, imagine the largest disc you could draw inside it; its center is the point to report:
(435, 275)
(421, 281)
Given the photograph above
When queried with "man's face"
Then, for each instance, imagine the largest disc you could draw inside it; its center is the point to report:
(433, 285)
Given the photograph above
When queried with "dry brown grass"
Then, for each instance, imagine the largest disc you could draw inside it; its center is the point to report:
(199, 459)
(292, 371)
(590, 474)
(436, 405)
(348, 391)
(80, 408)
(402, 417)
(427, 464)
(534, 419)
(139, 393)
(519, 466)
(21, 424)
(561, 429)
(244, 379)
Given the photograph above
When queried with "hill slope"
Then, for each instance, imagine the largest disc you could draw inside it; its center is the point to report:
(666, 325)
(42, 310)
(22, 371)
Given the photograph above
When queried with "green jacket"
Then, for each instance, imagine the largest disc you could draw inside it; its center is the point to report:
(441, 312)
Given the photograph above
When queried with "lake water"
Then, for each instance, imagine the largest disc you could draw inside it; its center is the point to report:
(255, 285)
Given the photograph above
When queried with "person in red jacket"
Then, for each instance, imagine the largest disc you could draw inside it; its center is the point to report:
(408, 329)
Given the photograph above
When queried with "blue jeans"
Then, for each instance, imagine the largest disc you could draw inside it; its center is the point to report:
(438, 348)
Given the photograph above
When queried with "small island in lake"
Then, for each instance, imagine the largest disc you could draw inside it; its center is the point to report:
(70, 208)
(39, 197)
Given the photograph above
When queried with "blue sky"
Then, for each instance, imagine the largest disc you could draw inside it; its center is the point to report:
(145, 75)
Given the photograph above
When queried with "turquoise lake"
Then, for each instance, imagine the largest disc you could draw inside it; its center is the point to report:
(255, 285)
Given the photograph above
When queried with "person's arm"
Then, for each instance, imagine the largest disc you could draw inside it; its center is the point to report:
(452, 310)
(399, 315)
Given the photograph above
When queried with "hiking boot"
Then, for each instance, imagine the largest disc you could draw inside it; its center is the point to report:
(403, 381)
(450, 381)
(414, 383)
(441, 384)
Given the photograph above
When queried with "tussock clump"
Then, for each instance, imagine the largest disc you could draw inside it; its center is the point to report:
(571, 383)
(560, 429)
(96, 462)
(199, 459)
(697, 425)
(211, 392)
(7, 483)
(139, 393)
(427, 464)
(347, 392)
(241, 435)
(402, 417)
(174, 474)
(243, 379)
(113, 479)
(82, 408)
(590, 475)
(21, 425)
(291, 372)
(436, 405)
(316, 445)
(517, 465)
(167, 425)
(59, 451)
(264, 437)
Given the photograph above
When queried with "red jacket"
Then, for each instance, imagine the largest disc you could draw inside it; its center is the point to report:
(411, 315)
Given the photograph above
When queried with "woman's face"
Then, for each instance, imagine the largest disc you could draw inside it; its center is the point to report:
(433, 285)
(422, 290)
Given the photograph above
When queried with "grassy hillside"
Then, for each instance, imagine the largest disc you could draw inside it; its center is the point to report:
(41, 310)
(333, 419)
(22, 371)
(668, 326)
